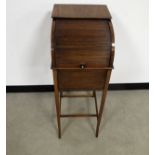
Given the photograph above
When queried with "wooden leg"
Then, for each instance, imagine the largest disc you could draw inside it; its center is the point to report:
(94, 94)
(103, 101)
(57, 102)
(60, 100)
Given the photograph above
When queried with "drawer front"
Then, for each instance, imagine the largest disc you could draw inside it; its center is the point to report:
(82, 42)
(81, 79)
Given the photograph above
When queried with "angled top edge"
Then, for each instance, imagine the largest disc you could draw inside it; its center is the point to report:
(81, 11)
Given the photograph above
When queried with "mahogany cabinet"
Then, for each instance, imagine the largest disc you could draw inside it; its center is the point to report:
(82, 48)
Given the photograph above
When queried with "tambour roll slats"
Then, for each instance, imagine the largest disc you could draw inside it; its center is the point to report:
(81, 40)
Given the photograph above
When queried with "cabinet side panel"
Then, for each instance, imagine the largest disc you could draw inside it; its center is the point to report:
(112, 32)
(53, 63)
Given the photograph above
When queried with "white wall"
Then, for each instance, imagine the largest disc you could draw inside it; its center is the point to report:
(28, 40)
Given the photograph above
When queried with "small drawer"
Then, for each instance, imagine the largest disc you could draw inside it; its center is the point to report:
(81, 79)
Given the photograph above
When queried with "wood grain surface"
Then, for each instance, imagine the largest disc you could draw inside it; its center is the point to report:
(81, 11)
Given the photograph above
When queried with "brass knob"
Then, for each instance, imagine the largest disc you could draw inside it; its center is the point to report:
(82, 66)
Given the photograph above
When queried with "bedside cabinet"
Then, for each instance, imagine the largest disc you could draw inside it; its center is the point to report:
(82, 40)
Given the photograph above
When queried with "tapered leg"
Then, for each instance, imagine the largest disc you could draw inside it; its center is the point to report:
(57, 102)
(60, 100)
(94, 94)
(103, 101)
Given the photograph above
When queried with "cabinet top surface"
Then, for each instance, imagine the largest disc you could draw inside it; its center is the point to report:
(81, 11)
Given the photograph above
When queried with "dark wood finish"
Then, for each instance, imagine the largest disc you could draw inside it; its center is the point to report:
(79, 68)
(78, 96)
(81, 79)
(96, 107)
(56, 91)
(103, 101)
(82, 42)
(78, 115)
(82, 54)
(81, 11)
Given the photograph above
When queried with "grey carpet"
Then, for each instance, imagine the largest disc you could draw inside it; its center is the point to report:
(32, 126)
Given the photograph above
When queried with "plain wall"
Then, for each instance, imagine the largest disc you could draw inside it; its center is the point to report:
(28, 40)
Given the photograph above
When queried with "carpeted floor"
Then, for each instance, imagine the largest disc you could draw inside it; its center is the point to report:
(32, 126)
